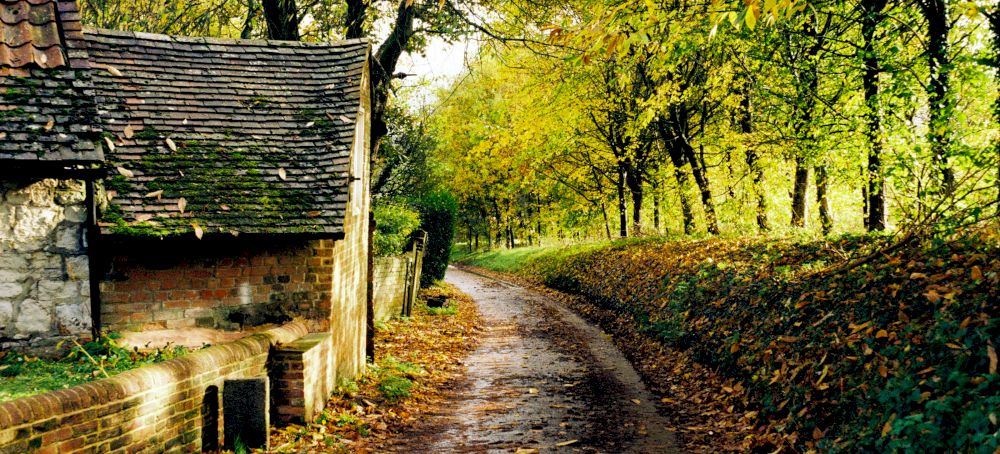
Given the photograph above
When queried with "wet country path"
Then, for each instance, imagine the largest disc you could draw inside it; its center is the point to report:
(542, 378)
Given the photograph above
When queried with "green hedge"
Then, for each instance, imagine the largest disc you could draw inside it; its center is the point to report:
(394, 223)
(437, 217)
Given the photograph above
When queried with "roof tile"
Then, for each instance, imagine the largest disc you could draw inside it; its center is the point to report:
(30, 34)
(47, 110)
(257, 139)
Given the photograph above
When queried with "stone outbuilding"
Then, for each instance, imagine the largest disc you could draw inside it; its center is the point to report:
(156, 182)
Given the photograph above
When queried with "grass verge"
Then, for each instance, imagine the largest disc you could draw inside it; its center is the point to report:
(24, 375)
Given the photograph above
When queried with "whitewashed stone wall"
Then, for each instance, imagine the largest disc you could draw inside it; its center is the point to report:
(44, 274)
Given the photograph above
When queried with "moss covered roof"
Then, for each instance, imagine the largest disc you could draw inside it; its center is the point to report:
(47, 110)
(230, 136)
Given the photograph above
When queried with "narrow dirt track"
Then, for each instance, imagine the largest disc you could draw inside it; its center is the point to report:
(541, 378)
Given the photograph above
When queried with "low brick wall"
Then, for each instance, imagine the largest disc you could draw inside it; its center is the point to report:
(389, 286)
(302, 378)
(169, 407)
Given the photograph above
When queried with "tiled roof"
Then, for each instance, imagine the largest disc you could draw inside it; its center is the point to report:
(47, 112)
(30, 34)
(229, 135)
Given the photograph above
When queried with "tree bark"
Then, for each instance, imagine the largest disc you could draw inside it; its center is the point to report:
(753, 161)
(253, 7)
(282, 18)
(622, 204)
(805, 131)
(385, 66)
(994, 18)
(656, 207)
(799, 202)
(701, 178)
(876, 217)
(687, 212)
(677, 159)
(822, 188)
(939, 96)
(607, 222)
(634, 182)
(354, 20)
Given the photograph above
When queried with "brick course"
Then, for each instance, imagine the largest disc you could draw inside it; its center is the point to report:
(158, 408)
(167, 286)
(301, 378)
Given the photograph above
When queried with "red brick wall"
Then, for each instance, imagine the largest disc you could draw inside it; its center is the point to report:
(183, 284)
(302, 378)
(161, 408)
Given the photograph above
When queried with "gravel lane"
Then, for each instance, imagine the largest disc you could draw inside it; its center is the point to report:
(542, 378)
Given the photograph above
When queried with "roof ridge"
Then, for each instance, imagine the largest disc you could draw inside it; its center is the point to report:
(98, 32)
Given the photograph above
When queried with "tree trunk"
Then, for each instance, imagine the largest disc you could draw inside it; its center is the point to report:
(282, 18)
(607, 222)
(865, 199)
(822, 188)
(876, 217)
(622, 204)
(701, 178)
(253, 8)
(994, 19)
(385, 66)
(634, 182)
(656, 207)
(805, 131)
(677, 159)
(939, 96)
(354, 20)
(753, 161)
(799, 202)
(686, 211)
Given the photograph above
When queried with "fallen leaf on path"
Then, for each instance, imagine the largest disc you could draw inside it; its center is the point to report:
(532, 390)
(566, 443)
(992, 353)
(636, 401)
